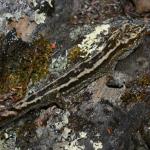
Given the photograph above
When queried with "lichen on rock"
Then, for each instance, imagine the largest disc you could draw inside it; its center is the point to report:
(137, 90)
(23, 63)
(94, 39)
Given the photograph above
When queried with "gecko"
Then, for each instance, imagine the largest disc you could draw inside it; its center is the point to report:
(122, 41)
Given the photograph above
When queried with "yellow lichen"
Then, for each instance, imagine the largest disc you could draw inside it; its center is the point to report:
(136, 90)
(41, 58)
(144, 80)
(75, 54)
(25, 64)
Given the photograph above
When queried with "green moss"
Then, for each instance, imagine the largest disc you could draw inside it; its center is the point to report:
(144, 80)
(41, 59)
(75, 54)
(23, 63)
(130, 97)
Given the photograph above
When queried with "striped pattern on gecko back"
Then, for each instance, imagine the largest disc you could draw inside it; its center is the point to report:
(120, 42)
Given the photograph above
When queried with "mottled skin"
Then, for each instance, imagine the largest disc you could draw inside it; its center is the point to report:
(121, 42)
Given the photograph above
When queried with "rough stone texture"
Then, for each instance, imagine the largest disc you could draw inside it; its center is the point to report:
(112, 113)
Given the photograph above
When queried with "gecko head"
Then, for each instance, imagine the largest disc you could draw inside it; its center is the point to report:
(132, 35)
(124, 39)
(127, 32)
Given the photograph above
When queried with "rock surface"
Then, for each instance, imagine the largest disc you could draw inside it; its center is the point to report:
(41, 40)
(142, 5)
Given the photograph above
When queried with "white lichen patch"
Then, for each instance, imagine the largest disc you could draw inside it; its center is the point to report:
(63, 122)
(65, 117)
(95, 40)
(96, 145)
(34, 2)
(74, 145)
(59, 125)
(8, 15)
(66, 132)
(6, 135)
(3, 21)
(39, 17)
(50, 2)
(58, 64)
(83, 135)
(8, 140)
